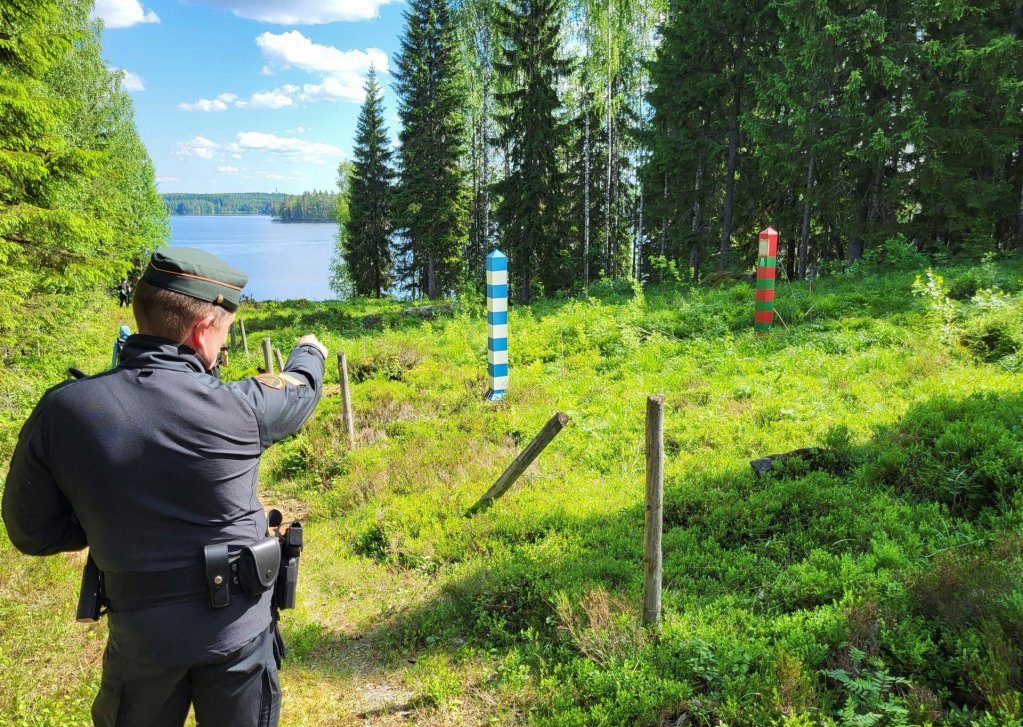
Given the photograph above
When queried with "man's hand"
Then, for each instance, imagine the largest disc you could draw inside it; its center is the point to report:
(310, 339)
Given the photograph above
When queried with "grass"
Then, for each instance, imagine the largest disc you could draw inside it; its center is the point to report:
(881, 580)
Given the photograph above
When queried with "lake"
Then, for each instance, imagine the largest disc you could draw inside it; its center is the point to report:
(282, 260)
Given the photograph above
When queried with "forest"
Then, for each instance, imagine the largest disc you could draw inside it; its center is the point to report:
(637, 138)
(312, 206)
(225, 203)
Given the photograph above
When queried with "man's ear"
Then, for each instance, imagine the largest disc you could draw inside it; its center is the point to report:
(200, 332)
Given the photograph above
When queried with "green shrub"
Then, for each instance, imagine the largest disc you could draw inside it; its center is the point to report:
(996, 332)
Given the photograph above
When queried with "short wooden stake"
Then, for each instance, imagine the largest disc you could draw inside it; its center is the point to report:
(245, 340)
(652, 562)
(346, 397)
(268, 359)
(525, 458)
(279, 359)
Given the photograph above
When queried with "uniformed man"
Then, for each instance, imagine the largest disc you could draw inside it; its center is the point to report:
(154, 467)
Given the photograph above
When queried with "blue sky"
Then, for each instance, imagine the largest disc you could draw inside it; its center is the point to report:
(250, 95)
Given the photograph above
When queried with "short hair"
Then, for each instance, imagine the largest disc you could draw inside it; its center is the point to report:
(165, 313)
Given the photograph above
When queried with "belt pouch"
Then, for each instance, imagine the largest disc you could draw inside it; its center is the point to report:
(258, 566)
(218, 574)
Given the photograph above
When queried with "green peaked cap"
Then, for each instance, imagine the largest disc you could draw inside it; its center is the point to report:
(196, 274)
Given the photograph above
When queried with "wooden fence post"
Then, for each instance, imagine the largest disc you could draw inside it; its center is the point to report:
(653, 521)
(268, 360)
(233, 340)
(346, 397)
(245, 340)
(519, 465)
(279, 359)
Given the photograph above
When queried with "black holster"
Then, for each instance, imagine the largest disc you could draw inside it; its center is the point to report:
(90, 598)
(254, 568)
(287, 581)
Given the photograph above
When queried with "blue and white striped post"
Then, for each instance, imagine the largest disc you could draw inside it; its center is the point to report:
(497, 324)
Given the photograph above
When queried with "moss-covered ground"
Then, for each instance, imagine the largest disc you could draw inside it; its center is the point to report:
(878, 582)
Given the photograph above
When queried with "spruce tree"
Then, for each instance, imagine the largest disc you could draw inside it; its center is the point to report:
(432, 198)
(532, 208)
(367, 238)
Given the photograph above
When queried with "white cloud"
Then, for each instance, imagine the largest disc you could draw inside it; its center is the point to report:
(123, 13)
(167, 179)
(299, 12)
(334, 89)
(279, 98)
(294, 50)
(290, 148)
(297, 130)
(130, 81)
(199, 146)
(204, 104)
(227, 169)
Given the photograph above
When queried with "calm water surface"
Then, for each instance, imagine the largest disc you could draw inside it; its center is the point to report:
(282, 260)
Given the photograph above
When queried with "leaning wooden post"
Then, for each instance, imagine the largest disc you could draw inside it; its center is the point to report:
(346, 397)
(245, 340)
(279, 359)
(268, 359)
(652, 563)
(233, 340)
(525, 458)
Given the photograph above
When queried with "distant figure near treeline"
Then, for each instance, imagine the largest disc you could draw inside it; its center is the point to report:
(124, 293)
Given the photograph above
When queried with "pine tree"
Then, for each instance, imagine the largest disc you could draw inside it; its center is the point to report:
(432, 198)
(367, 238)
(532, 206)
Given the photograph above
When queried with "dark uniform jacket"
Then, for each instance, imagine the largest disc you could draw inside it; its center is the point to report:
(148, 463)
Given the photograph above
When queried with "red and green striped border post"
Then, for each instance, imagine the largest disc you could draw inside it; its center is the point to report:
(767, 265)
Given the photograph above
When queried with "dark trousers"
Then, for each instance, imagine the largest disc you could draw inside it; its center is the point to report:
(239, 690)
(122, 300)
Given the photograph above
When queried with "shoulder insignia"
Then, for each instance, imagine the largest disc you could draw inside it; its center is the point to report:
(271, 381)
(292, 379)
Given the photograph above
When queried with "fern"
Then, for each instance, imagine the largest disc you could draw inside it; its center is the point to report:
(871, 700)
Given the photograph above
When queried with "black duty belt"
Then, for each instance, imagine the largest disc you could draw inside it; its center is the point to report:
(137, 591)
(251, 570)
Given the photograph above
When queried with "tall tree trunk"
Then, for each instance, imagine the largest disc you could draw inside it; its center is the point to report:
(664, 231)
(638, 262)
(804, 238)
(431, 276)
(1019, 211)
(610, 146)
(694, 245)
(733, 158)
(790, 258)
(586, 190)
(854, 245)
(485, 147)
